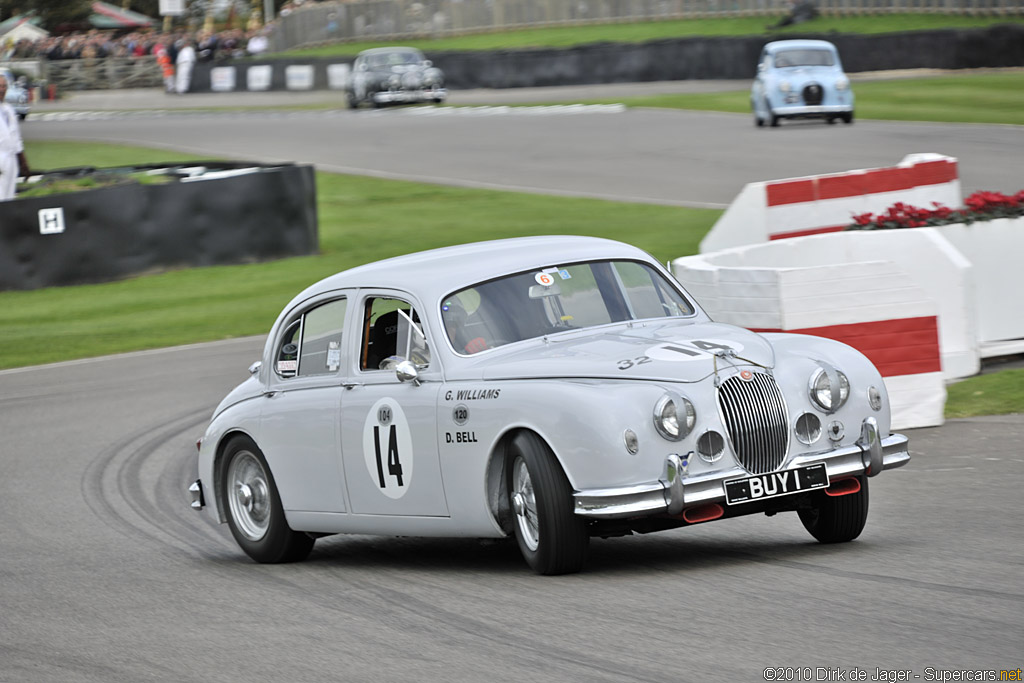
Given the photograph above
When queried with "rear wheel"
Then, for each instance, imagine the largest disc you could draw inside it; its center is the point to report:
(848, 117)
(551, 537)
(254, 509)
(837, 519)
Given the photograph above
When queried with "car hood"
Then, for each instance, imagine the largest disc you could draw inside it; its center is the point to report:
(674, 351)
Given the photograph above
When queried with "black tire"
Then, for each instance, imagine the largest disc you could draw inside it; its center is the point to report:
(551, 537)
(254, 509)
(830, 120)
(774, 121)
(848, 118)
(758, 121)
(353, 101)
(837, 519)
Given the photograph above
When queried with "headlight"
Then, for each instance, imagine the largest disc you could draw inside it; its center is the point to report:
(394, 81)
(784, 86)
(674, 416)
(829, 389)
(842, 84)
(433, 76)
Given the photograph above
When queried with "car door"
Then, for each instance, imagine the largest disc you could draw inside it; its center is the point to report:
(299, 417)
(388, 427)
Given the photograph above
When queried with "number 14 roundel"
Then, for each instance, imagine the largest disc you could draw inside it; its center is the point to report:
(387, 448)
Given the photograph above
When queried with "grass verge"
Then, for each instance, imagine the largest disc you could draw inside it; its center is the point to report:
(998, 393)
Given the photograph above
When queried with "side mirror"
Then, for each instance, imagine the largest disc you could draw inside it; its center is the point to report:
(254, 369)
(406, 372)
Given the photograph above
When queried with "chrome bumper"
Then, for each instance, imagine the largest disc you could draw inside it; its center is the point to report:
(808, 110)
(407, 96)
(677, 490)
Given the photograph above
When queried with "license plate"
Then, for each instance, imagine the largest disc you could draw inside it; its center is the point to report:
(776, 484)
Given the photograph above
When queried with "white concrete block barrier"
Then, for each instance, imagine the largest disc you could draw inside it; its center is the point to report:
(909, 314)
(994, 249)
(795, 207)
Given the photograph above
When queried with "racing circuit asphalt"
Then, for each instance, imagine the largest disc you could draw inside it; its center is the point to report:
(109, 576)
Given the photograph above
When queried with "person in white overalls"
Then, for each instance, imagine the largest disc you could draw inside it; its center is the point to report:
(183, 67)
(12, 150)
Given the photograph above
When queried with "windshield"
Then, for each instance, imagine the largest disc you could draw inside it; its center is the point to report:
(397, 58)
(557, 299)
(804, 57)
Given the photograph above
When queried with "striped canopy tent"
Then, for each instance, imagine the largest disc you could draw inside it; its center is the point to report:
(105, 15)
(22, 26)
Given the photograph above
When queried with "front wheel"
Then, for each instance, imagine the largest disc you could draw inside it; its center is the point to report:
(551, 537)
(254, 509)
(837, 519)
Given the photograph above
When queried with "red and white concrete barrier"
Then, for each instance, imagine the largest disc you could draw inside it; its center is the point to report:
(795, 207)
(911, 321)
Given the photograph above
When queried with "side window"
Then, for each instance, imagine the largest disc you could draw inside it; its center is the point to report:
(288, 351)
(312, 344)
(392, 332)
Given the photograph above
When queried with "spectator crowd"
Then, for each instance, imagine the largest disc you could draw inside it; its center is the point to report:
(96, 44)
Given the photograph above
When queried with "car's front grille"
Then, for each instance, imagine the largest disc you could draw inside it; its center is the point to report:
(755, 417)
(813, 94)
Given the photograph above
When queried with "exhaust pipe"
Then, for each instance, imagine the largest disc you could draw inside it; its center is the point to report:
(843, 487)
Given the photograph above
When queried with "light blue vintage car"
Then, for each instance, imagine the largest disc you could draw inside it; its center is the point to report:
(550, 389)
(800, 79)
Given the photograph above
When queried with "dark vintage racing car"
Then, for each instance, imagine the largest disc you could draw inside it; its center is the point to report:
(394, 75)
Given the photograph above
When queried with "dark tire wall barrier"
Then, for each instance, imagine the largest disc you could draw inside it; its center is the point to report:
(116, 232)
(666, 60)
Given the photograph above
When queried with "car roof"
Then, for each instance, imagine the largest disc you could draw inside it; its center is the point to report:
(797, 44)
(434, 274)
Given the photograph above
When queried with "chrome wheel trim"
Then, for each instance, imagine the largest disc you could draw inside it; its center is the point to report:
(249, 495)
(524, 502)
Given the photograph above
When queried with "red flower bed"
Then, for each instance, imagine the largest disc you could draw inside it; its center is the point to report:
(980, 206)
